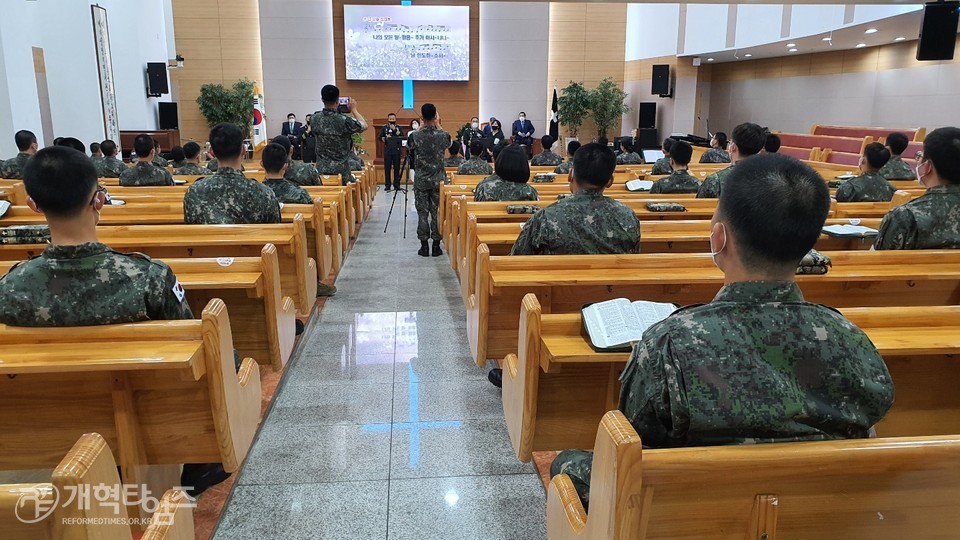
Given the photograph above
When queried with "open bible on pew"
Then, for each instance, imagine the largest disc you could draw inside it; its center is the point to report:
(639, 185)
(613, 326)
(850, 231)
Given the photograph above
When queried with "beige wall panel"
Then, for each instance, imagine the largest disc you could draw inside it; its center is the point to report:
(567, 30)
(195, 28)
(235, 27)
(240, 8)
(827, 63)
(196, 9)
(562, 11)
(199, 49)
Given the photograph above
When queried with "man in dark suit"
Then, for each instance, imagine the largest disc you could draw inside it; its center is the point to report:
(292, 130)
(523, 132)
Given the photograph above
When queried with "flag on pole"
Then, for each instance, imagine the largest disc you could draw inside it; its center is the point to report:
(554, 121)
(259, 120)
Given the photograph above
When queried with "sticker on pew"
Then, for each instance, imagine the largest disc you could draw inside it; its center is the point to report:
(224, 261)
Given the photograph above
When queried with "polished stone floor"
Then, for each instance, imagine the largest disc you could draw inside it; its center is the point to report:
(383, 426)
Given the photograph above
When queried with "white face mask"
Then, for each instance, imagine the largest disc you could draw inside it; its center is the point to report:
(475, 125)
(291, 120)
(522, 118)
(415, 126)
(715, 252)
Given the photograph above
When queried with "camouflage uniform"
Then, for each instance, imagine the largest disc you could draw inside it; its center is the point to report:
(160, 161)
(145, 173)
(931, 221)
(356, 164)
(428, 143)
(475, 165)
(481, 185)
(212, 164)
(13, 167)
(228, 198)
(756, 365)
(679, 181)
(455, 161)
(897, 169)
(191, 169)
(501, 190)
(629, 158)
(715, 155)
(546, 158)
(334, 138)
(179, 163)
(868, 187)
(302, 174)
(585, 223)
(288, 191)
(711, 186)
(564, 168)
(662, 166)
(90, 284)
(110, 167)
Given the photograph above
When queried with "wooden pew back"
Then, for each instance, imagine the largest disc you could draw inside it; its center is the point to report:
(878, 133)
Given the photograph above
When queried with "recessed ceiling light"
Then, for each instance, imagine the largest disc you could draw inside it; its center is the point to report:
(861, 45)
(793, 50)
(901, 38)
(870, 31)
(791, 45)
(709, 59)
(748, 55)
(827, 39)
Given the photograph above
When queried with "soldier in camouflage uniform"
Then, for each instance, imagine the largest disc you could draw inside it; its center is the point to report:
(356, 163)
(662, 165)
(718, 153)
(455, 159)
(896, 169)
(274, 161)
(758, 364)
(212, 164)
(109, 166)
(228, 197)
(748, 140)
(159, 160)
(476, 164)
(931, 221)
(334, 133)
(27, 146)
(628, 156)
(546, 157)
(178, 158)
(680, 180)
(510, 182)
(869, 186)
(298, 172)
(191, 158)
(145, 172)
(564, 168)
(428, 143)
(586, 222)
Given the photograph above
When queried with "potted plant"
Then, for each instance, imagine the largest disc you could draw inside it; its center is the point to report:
(573, 106)
(608, 105)
(218, 104)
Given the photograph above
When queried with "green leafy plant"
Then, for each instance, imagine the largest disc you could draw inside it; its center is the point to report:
(573, 106)
(608, 105)
(217, 104)
(358, 143)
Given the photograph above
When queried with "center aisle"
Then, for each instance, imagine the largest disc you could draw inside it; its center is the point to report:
(384, 427)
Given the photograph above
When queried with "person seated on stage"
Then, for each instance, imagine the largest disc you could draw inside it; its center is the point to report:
(455, 159)
(109, 166)
(546, 157)
(627, 154)
(228, 197)
(748, 140)
(564, 168)
(496, 141)
(869, 186)
(302, 174)
(772, 146)
(523, 132)
(931, 221)
(476, 164)
(726, 373)
(275, 160)
(158, 160)
(662, 165)
(191, 162)
(896, 168)
(510, 182)
(718, 151)
(145, 172)
(680, 180)
(27, 145)
(177, 157)
(95, 152)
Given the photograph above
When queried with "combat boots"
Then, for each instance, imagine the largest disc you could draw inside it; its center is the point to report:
(436, 249)
(424, 249)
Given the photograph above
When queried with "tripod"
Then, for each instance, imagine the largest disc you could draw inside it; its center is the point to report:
(405, 173)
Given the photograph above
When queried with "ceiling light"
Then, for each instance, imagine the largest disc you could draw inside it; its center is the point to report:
(709, 59)
(791, 45)
(827, 39)
(901, 38)
(861, 45)
(748, 55)
(793, 50)
(870, 31)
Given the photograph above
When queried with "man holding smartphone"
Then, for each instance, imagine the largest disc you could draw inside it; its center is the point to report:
(334, 132)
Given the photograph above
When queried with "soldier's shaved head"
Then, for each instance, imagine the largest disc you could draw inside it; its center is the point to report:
(60, 180)
(593, 165)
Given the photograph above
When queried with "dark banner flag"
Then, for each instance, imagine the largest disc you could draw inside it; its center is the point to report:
(554, 124)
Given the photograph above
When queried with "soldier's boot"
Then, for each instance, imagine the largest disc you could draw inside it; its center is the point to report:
(436, 249)
(325, 290)
(424, 249)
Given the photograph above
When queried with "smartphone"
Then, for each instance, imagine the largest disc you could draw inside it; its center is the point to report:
(342, 105)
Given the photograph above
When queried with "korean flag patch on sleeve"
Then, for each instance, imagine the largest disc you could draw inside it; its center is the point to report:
(178, 291)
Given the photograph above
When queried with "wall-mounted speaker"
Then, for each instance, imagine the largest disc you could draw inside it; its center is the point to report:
(648, 116)
(168, 115)
(157, 79)
(938, 31)
(661, 80)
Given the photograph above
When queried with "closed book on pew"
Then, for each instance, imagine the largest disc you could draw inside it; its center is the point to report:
(614, 325)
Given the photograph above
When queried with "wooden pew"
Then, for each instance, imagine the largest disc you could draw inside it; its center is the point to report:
(264, 320)
(556, 387)
(15, 192)
(825, 142)
(298, 272)
(161, 393)
(564, 283)
(879, 133)
(88, 464)
(862, 488)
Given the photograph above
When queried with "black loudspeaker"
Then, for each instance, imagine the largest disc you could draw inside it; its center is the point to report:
(168, 115)
(938, 31)
(647, 139)
(157, 79)
(661, 80)
(648, 116)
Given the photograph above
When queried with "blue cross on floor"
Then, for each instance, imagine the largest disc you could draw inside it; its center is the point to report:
(414, 425)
